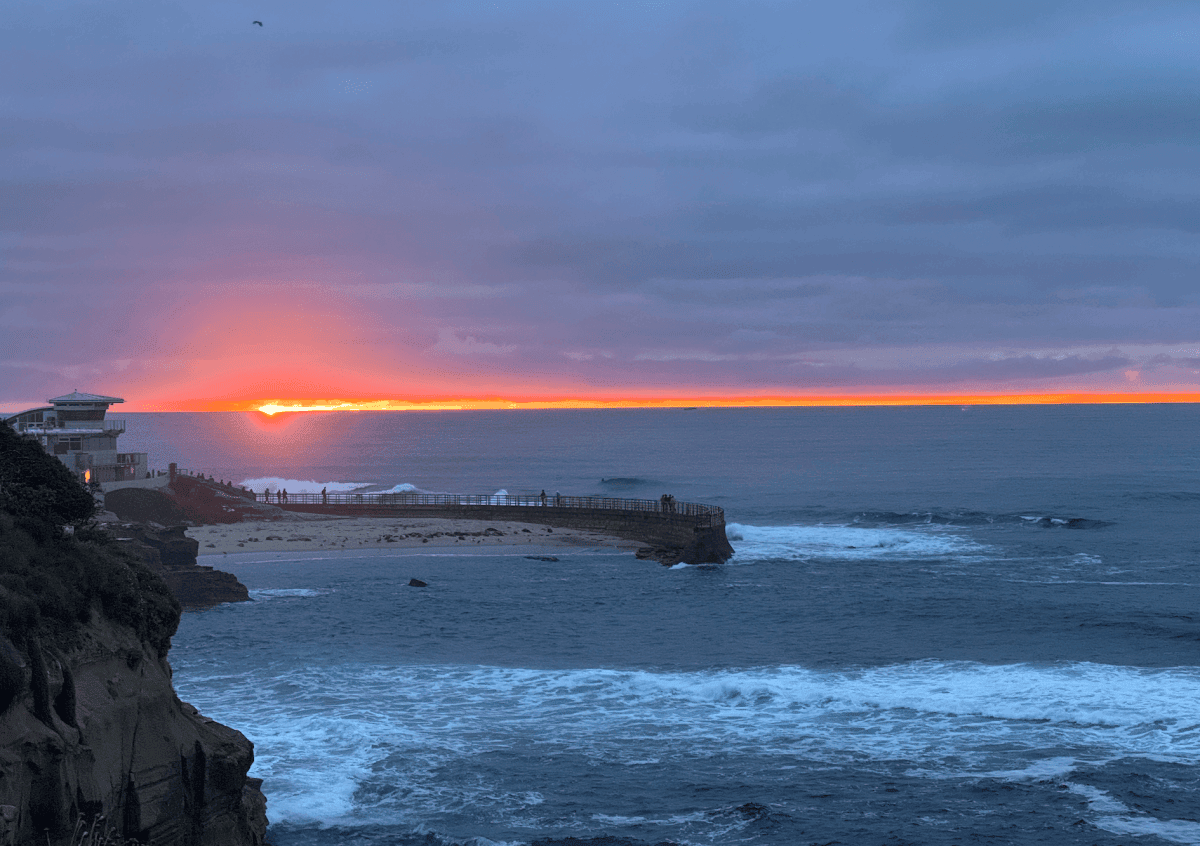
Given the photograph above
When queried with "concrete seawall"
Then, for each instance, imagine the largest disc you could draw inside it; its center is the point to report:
(671, 537)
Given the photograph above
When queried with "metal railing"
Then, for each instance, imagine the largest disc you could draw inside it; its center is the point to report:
(108, 425)
(704, 515)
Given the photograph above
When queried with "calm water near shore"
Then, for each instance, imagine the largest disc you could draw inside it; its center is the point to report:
(941, 626)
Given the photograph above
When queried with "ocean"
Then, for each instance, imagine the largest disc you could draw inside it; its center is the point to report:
(941, 626)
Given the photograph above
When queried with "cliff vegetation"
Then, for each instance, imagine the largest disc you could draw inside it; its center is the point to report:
(56, 568)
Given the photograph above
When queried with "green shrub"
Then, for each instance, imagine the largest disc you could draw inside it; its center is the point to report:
(50, 581)
(38, 487)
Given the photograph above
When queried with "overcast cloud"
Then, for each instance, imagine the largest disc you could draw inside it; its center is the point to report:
(597, 198)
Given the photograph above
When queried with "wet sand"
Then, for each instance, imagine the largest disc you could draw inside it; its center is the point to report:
(334, 533)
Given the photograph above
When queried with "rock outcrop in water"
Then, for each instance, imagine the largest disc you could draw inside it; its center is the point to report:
(90, 726)
(172, 554)
(154, 531)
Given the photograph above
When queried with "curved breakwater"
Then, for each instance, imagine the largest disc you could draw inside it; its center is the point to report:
(674, 532)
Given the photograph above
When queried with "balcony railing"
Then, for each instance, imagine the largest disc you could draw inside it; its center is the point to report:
(108, 426)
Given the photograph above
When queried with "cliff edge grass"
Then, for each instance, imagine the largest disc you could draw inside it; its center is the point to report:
(90, 725)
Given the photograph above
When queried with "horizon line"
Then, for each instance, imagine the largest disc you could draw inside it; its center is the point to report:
(271, 407)
(279, 406)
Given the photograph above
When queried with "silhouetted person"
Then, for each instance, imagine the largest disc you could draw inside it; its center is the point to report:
(324, 497)
(543, 497)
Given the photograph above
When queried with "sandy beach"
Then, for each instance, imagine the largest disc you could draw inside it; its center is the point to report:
(332, 533)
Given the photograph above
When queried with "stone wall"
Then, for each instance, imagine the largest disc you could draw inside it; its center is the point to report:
(671, 537)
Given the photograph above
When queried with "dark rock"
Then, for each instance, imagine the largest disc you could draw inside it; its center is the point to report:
(668, 557)
(417, 583)
(752, 810)
(154, 768)
(144, 505)
(172, 554)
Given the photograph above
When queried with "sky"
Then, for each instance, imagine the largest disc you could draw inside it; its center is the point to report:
(577, 201)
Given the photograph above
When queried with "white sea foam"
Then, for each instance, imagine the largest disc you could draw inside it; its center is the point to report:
(319, 732)
(752, 543)
(1141, 825)
(284, 593)
(300, 485)
(1116, 817)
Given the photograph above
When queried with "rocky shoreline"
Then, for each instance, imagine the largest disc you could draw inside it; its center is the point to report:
(168, 551)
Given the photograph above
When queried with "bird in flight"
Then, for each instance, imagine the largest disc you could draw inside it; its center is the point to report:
(257, 22)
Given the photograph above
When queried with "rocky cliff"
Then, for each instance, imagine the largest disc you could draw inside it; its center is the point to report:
(90, 726)
(169, 552)
(93, 727)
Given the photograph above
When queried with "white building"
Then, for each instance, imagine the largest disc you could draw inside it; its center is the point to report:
(74, 429)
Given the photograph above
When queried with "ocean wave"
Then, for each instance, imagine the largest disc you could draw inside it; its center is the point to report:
(792, 543)
(300, 485)
(340, 740)
(975, 518)
(1116, 817)
(285, 593)
(1052, 522)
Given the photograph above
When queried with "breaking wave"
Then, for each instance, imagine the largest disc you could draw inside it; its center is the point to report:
(975, 518)
(301, 486)
(326, 757)
(843, 542)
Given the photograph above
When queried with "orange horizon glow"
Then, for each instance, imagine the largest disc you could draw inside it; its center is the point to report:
(274, 407)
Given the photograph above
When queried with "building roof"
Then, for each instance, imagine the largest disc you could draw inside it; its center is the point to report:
(11, 417)
(76, 396)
